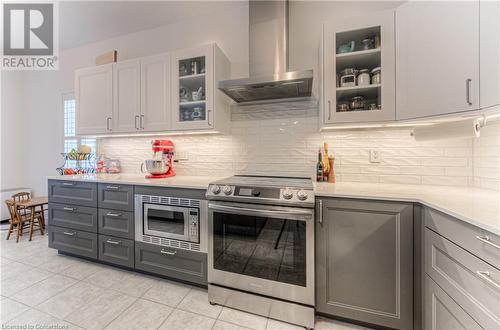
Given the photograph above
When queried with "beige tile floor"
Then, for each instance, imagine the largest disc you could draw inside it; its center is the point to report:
(41, 287)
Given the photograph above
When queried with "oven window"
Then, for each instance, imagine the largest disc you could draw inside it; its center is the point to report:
(163, 221)
(268, 248)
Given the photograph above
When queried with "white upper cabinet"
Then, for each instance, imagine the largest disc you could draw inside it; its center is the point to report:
(192, 88)
(489, 53)
(155, 93)
(126, 96)
(359, 69)
(94, 100)
(437, 58)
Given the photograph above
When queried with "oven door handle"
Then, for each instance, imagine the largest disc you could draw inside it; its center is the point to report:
(259, 212)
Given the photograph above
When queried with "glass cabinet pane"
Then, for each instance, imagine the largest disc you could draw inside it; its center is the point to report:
(267, 248)
(358, 70)
(192, 89)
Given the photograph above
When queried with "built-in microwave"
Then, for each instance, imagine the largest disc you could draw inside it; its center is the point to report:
(160, 217)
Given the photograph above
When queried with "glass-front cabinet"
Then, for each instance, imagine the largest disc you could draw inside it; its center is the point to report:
(194, 90)
(359, 69)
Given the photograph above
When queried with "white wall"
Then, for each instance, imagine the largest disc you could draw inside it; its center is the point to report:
(13, 136)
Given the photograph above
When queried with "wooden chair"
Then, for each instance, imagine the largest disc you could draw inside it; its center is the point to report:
(18, 220)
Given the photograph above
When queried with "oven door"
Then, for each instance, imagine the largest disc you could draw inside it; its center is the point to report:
(166, 221)
(263, 249)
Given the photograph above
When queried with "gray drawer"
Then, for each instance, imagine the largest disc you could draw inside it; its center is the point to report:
(117, 251)
(73, 216)
(116, 196)
(73, 241)
(477, 241)
(73, 192)
(176, 263)
(441, 312)
(116, 223)
(471, 282)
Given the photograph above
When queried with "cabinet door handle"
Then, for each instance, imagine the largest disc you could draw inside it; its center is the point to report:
(108, 124)
(68, 183)
(142, 122)
(111, 214)
(69, 209)
(487, 277)
(208, 117)
(486, 239)
(329, 110)
(67, 233)
(467, 90)
(112, 187)
(170, 253)
(109, 241)
(135, 121)
(320, 212)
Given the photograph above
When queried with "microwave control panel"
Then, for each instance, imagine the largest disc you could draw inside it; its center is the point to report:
(193, 225)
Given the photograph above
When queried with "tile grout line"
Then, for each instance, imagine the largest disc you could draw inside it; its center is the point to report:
(119, 314)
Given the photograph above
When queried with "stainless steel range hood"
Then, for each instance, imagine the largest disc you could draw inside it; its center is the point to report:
(269, 78)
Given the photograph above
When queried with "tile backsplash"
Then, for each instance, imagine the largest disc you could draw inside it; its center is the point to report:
(290, 146)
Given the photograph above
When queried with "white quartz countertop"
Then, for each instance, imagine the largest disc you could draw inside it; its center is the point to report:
(178, 181)
(479, 207)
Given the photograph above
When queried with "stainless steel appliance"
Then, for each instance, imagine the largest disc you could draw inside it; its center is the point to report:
(270, 76)
(261, 246)
(168, 221)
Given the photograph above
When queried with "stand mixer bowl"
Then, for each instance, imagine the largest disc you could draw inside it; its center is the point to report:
(155, 166)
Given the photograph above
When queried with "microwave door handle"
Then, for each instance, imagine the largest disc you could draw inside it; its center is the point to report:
(259, 212)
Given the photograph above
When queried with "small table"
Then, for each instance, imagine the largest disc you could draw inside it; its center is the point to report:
(32, 204)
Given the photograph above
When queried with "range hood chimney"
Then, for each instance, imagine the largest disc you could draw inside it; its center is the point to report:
(270, 79)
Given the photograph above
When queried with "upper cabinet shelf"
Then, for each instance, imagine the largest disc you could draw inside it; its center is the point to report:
(359, 69)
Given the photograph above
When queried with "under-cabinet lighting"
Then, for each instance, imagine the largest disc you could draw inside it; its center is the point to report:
(364, 126)
(152, 134)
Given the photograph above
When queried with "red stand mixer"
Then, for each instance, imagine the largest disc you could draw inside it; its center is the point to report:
(160, 167)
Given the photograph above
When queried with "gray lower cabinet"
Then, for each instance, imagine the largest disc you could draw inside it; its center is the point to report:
(364, 261)
(442, 312)
(116, 223)
(116, 196)
(73, 192)
(117, 251)
(469, 281)
(73, 241)
(73, 216)
(176, 263)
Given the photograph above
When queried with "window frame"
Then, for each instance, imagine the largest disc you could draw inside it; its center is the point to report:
(68, 96)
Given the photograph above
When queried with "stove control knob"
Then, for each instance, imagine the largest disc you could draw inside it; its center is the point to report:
(302, 195)
(287, 194)
(227, 190)
(215, 189)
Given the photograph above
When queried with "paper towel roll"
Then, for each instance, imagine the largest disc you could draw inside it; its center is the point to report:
(453, 130)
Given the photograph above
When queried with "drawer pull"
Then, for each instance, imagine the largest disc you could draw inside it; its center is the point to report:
(112, 187)
(487, 277)
(113, 242)
(68, 184)
(170, 253)
(110, 214)
(67, 233)
(72, 209)
(486, 239)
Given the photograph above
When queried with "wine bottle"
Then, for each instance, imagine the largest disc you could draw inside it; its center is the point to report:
(319, 167)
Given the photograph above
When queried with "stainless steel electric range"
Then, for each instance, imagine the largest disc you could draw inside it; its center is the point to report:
(261, 246)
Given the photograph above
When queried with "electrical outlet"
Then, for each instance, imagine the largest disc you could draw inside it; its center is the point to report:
(375, 156)
(181, 155)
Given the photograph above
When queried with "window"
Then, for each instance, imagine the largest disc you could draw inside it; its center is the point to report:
(71, 141)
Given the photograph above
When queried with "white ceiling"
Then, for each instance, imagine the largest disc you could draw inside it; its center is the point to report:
(82, 22)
